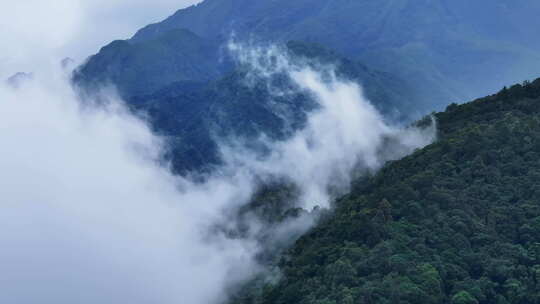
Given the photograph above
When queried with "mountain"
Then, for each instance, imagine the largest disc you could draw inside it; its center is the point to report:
(455, 222)
(142, 68)
(448, 50)
(195, 115)
(17, 79)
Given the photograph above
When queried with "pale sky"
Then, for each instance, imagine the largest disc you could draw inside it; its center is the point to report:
(33, 32)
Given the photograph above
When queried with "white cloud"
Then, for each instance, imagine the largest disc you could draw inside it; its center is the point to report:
(33, 31)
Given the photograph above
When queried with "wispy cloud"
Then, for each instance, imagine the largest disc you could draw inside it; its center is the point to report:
(345, 134)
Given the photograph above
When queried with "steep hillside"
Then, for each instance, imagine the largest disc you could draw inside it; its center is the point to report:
(449, 50)
(456, 222)
(144, 67)
(193, 114)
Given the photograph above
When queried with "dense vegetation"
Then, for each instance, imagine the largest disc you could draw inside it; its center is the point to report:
(456, 222)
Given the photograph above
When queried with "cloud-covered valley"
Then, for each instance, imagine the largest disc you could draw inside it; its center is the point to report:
(90, 212)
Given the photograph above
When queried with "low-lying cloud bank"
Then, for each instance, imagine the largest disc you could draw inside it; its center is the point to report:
(89, 215)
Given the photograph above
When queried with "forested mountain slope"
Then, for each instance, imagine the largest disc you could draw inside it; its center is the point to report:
(456, 222)
(141, 68)
(194, 115)
(449, 50)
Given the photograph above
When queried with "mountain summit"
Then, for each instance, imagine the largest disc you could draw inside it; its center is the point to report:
(447, 50)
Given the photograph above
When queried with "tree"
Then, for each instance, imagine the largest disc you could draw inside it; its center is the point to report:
(463, 297)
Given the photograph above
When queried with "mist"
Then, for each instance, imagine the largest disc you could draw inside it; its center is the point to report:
(35, 32)
(343, 138)
(90, 213)
(88, 216)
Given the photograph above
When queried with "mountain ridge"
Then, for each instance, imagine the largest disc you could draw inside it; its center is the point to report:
(192, 114)
(432, 34)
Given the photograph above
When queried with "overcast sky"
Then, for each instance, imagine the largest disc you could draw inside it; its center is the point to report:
(31, 30)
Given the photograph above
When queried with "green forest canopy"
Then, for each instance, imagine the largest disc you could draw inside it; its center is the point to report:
(456, 222)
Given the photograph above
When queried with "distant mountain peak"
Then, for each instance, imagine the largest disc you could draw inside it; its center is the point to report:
(18, 79)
